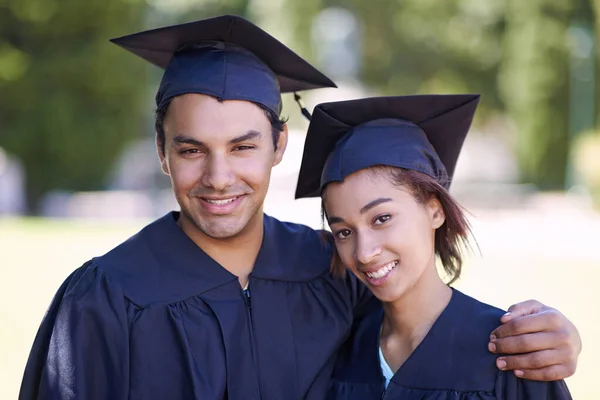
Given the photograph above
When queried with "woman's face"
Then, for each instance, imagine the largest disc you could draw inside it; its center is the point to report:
(382, 233)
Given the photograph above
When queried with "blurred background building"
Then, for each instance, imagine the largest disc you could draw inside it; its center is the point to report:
(77, 136)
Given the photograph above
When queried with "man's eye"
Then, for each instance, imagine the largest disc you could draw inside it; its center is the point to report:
(244, 148)
(189, 151)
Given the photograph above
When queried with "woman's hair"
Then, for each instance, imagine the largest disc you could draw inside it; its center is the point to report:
(450, 238)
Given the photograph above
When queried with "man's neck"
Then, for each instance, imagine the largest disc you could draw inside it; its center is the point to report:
(236, 254)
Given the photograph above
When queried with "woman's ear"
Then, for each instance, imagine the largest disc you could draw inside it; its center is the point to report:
(436, 213)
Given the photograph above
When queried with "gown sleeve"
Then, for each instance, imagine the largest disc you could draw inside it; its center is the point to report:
(509, 387)
(81, 348)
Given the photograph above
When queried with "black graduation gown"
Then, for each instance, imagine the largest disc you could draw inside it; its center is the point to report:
(451, 363)
(157, 318)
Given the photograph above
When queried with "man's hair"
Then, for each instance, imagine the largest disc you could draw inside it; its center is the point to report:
(450, 238)
(161, 113)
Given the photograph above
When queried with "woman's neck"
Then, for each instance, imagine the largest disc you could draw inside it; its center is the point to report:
(408, 319)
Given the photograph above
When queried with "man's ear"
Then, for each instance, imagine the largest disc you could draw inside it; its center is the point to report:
(282, 142)
(161, 156)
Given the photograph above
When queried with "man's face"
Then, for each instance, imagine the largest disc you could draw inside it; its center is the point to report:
(219, 157)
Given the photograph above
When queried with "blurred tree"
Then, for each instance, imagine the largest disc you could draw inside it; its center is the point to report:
(71, 100)
(425, 46)
(596, 18)
(422, 46)
(535, 87)
(163, 13)
(168, 12)
(68, 101)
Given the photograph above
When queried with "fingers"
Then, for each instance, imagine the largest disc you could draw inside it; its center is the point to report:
(547, 374)
(545, 365)
(527, 343)
(539, 342)
(544, 321)
(521, 309)
(531, 361)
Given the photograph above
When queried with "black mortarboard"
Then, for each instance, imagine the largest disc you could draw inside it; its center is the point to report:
(423, 133)
(226, 57)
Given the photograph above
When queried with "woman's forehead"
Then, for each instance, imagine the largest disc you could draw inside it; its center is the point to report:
(375, 178)
(361, 188)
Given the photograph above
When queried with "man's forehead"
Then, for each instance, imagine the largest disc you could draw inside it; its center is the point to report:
(203, 110)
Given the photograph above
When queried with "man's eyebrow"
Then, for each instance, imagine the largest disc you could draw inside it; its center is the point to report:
(183, 139)
(247, 136)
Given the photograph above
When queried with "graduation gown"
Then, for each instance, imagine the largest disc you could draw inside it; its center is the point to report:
(157, 318)
(451, 363)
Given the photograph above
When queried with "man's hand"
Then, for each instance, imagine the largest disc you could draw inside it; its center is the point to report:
(545, 342)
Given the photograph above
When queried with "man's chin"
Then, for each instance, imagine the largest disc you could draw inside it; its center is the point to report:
(220, 227)
(222, 233)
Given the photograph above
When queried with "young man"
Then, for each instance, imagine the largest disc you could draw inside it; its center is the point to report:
(220, 300)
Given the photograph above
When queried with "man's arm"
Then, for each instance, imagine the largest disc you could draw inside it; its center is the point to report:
(545, 343)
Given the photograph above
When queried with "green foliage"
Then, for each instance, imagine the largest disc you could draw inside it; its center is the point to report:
(68, 102)
(425, 46)
(535, 79)
(595, 15)
(162, 13)
(586, 157)
(429, 46)
(70, 99)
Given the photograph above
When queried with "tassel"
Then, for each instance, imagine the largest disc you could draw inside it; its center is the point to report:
(302, 107)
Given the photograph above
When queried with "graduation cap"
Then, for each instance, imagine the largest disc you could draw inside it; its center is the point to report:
(423, 133)
(226, 57)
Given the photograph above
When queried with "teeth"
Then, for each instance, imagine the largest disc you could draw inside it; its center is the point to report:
(383, 271)
(221, 202)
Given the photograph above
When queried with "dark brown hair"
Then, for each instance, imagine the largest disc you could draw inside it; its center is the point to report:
(450, 238)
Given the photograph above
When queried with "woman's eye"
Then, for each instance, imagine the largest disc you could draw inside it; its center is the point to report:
(342, 234)
(382, 219)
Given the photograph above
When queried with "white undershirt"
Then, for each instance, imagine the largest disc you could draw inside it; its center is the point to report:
(385, 368)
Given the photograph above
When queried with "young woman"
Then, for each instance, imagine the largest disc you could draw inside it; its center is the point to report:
(383, 167)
